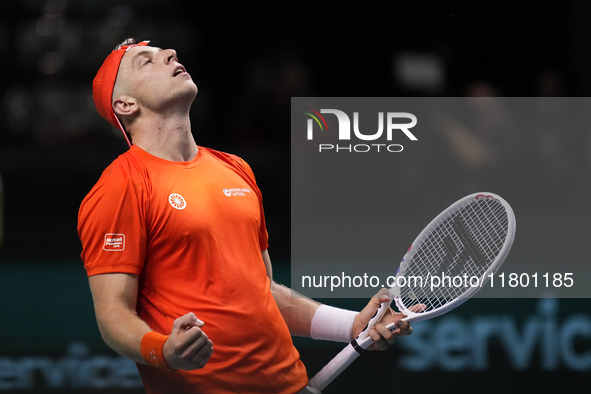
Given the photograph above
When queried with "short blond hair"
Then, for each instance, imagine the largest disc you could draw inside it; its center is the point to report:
(127, 41)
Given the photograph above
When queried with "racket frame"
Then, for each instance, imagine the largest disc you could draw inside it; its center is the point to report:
(470, 290)
(342, 360)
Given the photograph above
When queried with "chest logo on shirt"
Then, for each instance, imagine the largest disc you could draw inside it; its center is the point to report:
(236, 191)
(177, 201)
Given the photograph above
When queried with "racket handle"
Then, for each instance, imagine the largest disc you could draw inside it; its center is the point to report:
(375, 319)
(334, 367)
(342, 360)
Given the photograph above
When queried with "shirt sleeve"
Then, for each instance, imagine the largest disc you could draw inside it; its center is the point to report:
(111, 223)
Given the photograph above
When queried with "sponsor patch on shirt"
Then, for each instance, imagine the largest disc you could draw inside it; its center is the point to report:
(114, 242)
(236, 191)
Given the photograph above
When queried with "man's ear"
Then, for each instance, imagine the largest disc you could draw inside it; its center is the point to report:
(125, 106)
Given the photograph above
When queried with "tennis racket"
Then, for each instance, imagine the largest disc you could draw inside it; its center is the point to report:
(469, 240)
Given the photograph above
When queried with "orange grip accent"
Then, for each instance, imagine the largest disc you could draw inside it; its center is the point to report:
(152, 349)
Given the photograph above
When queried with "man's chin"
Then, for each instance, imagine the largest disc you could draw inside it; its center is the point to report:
(186, 95)
(193, 90)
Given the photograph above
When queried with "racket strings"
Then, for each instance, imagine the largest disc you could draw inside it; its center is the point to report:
(465, 243)
(432, 258)
(492, 219)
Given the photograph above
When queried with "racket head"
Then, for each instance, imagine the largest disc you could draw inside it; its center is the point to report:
(471, 238)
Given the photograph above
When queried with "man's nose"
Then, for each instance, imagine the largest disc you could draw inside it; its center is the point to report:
(169, 55)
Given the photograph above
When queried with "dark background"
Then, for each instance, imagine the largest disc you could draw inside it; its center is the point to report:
(248, 60)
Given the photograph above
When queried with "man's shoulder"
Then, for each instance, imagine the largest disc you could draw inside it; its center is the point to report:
(236, 162)
(126, 165)
(233, 160)
(123, 172)
(224, 156)
(122, 177)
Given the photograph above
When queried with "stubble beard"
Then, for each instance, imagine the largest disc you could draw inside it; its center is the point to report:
(175, 102)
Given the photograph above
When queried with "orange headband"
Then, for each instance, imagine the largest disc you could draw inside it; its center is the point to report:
(103, 84)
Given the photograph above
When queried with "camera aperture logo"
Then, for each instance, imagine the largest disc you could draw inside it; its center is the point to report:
(344, 134)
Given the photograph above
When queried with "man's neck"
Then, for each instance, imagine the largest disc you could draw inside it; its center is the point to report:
(166, 137)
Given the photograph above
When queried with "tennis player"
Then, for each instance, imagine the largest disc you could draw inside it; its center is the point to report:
(175, 247)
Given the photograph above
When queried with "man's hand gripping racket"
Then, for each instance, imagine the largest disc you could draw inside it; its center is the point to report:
(470, 240)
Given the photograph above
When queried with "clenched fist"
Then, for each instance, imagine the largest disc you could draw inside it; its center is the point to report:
(187, 347)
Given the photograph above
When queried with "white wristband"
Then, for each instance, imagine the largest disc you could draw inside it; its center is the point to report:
(332, 324)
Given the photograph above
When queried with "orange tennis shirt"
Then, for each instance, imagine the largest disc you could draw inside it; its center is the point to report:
(193, 232)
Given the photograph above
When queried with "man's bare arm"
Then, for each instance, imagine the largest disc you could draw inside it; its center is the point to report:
(298, 312)
(115, 300)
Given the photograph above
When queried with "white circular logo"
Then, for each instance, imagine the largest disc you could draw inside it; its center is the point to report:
(177, 201)
(227, 192)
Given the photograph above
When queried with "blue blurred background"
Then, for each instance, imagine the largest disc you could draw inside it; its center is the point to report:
(248, 60)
